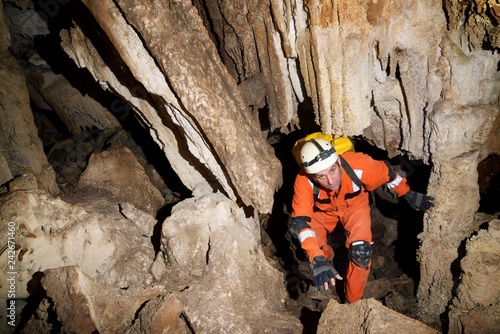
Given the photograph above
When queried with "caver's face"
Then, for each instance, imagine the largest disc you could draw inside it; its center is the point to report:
(329, 178)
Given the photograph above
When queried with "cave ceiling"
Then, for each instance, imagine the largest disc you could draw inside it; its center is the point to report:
(203, 74)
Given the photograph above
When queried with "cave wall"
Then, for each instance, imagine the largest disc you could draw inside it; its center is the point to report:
(21, 150)
(416, 77)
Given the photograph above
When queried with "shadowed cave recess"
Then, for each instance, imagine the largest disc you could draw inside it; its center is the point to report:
(395, 271)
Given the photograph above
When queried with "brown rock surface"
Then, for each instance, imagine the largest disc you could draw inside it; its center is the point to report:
(367, 316)
(21, 147)
(476, 308)
(84, 305)
(162, 316)
(213, 257)
(117, 172)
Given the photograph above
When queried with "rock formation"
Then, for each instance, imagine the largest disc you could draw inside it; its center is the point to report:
(376, 319)
(473, 310)
(212, 84)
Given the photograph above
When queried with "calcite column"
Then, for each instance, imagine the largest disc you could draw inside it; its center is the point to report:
(458, 137)
(199, 92)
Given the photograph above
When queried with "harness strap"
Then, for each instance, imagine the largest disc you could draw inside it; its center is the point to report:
(350, 172)
(315, 189)
(352, 175)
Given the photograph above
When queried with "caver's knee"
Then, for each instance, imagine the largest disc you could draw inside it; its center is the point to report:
(360, 252)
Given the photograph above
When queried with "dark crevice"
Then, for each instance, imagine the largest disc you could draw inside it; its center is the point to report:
(455, 267)
(51, 129)
(306, 116)
(161, 215)
(404, 107)
(388, 68)
(445, 5)
(187, 322)
(489, 184)
(139, 310)
(37, 295)
(207, 254)
(264, 119)
(309, 319)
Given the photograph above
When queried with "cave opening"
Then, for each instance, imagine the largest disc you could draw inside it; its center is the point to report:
(489, 184)
(395, 227)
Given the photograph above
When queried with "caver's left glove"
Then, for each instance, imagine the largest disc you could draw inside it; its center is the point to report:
(419, 201)
(297, 224)
(323, 273)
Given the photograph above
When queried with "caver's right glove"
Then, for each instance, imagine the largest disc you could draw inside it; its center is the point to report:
(323, 273)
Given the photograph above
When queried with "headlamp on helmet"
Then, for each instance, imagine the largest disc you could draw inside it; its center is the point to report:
(317, 155)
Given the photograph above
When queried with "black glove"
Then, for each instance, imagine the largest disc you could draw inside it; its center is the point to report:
(297, 224)
(419, 201)
(323, 272)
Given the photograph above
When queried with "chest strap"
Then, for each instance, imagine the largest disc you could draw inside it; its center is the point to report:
(347, 168)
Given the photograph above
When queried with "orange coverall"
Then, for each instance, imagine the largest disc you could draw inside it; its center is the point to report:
(349, 205)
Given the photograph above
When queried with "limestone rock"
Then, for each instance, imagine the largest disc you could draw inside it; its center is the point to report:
(71, 304)
(161, 316)
(5, 174)
(106, 172)
(378, 288)
(84, 305)
(78, 112)
(39, 322)
(481, 27)
(444, 230)
(367, 316)
(207, 79)
(476, 308)
(24, 154)
(23, 182)
(124, 138)
(144, 221)
(213, 255)
(246, 162)
(105, 247)
(183, 153)
(25, 23)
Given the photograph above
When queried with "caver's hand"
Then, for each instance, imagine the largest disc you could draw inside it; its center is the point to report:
(418, 201)
(324, 273)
